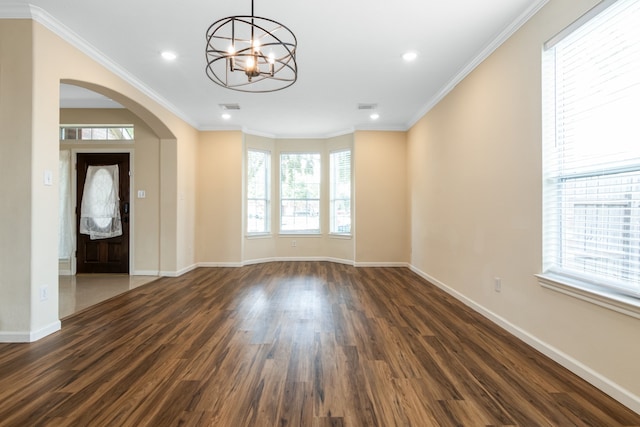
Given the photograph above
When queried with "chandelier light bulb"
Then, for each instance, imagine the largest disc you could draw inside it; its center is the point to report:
(271, 59)
(235, 59)
(231, 59)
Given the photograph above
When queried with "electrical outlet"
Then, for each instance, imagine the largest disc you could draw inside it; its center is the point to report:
(294, 243)
(498, 284)
(44, 293)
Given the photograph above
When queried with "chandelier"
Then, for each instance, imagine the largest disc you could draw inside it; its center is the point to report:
(251, 54)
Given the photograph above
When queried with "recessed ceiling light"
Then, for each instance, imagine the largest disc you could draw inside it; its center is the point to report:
(410, 56)
(169, 56)
(374, 116)
(226, 116)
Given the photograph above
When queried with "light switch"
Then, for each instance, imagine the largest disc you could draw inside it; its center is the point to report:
(48, 177)
(142, 194)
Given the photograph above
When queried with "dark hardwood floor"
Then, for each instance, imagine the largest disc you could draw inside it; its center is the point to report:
(290, 344)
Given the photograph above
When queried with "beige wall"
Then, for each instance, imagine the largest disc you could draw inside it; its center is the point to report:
(219, 198)
(145, 176)
(30, 117)
(475, 191)
(187, 187)
(458, 196)
(16, 95)
(381, 204)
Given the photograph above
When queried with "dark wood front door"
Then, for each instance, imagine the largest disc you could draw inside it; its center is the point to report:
(104, 255)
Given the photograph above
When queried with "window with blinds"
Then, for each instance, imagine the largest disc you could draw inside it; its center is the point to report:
(591, 90)
(300, 178)
(340, 192)
(258, 194)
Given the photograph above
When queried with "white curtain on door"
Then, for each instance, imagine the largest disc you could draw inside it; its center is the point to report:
(100, 211)
(64, 192)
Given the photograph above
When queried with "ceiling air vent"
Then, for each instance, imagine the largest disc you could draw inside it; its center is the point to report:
(229, 107)
(367, 107)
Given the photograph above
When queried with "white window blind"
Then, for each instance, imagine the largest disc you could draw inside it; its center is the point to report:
(258, 194)
(300, 177)
(340, 191)
(591, 82)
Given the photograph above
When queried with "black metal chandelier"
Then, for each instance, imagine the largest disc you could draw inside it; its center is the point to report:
(251, 54)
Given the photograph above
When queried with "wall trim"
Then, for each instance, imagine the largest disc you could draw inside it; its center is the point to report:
(39, 15)
(177, 273)
(26, 337)
(479, 59)
(218, 264)
(273, 259)
(283, 259)
(145, 273)
(382, 264)
(596, 379)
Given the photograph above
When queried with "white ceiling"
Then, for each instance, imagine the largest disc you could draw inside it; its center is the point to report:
(349, 52)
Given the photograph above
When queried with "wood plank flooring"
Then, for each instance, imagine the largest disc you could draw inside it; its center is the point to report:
(290, 344)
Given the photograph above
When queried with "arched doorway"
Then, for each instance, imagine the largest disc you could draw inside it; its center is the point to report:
(81, 105)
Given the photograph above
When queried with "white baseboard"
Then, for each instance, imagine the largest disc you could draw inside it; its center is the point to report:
(381, 264)
(258, 261)
(178, 273)
(341, 261)
(609, 387)
(145, 273)
(279, 259)
(219, 264)
(273, 259)
(31, 336)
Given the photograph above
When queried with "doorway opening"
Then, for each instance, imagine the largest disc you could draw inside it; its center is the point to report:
(102, 213)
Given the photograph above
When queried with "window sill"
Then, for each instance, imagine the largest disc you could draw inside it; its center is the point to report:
(258, 236)
(298, 234)
(591, 293)
(343, 236)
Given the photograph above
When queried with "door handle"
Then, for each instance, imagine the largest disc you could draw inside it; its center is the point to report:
(125, 208)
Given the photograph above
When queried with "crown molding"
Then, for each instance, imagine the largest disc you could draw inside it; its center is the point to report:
(484, 54)
(16, 10)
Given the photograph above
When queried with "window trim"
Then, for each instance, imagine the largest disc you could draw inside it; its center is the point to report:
(350, 232)
(268, 199)
(575, 25)
(306, 232)
(560, 280)
(106, 127)
(590, 292)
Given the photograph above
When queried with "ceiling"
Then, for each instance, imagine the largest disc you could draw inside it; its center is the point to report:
(349, 53)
